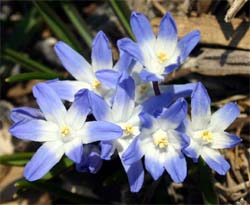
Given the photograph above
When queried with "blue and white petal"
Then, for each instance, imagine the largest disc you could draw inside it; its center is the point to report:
(35, 130)
(149, 76)
(224, 140)
(223, 117)
(43, 160)
(107, 149)
(50, 103)
(74, 63)
(107, 77)
(177, 139)
(25, 113)
(215, 161)
(153, 165)
(101, 52)
(74, 149)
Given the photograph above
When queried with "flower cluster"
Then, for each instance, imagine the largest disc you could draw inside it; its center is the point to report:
(134, 115)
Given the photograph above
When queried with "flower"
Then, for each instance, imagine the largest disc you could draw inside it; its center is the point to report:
(206, 130)
(161, 55)
(61, 130)
(125, 114)
(100, 77)
(161, 143)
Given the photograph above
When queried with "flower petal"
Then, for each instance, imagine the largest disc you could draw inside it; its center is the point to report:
(215, 161)
(35, 130)
(43, 160)
(223, 117)
(107, 77)
(66, 89)
(176, 165)
(74, 149)
(153, 166)
(177, 139)
(193, 150)
(148, 76)
(141, 28)
(75, 64)
(49, 102)
(101, 52)
(224, 140)
(187, 43)
(200, 103)
(125, 62)
(135, 175)
(107, 149)
(25, 113)
(99, 131)
(123, 103)
(167, 36)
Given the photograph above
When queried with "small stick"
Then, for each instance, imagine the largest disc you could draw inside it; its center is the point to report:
(233, 10)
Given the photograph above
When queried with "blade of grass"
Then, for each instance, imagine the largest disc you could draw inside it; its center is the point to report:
(207, 184)
(17, 159)
(26, 62)
(30, 76)
(56, 190)
(57, 25)
(78, 22)
(122, 11)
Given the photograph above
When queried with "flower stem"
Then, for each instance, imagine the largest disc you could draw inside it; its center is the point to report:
(156, 88)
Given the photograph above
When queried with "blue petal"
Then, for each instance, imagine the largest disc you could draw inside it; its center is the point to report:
(135, 175)
(43, 160)
(49, 102)
(176, 166)
(215, 161)
(178, 140)
(125, 62)
(131, 48)
(100, 131)
(172, 117)
(25, 113)
(224, 140)
(73, 62)
(148, 76)
(146, 120)
(107, 149)
(167, 36)
(153, 166)
(200, 103)
(141, 28)
(99, 107)
(95, 162)
(133, 152)
(79, 110)
(107, 77)
(74, 149)
(223, 117)
(193, 150)
(170, 68)
(187, 43)
(66, 89)
(101, 52)
(123, 103)
(35, 130)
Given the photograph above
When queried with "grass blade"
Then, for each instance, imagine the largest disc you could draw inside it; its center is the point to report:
(17, 159)
(78, 22)
(122, 11)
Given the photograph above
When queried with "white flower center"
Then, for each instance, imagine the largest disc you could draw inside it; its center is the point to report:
(162, 56)
(65, 131)
(206, 136)
(128, 129)
(160, 139)
(96, 84)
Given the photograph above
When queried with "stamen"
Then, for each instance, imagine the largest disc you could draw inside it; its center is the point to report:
(143, 88)
(162, 56)
(65, 131)
(128, 129)
(160, 139)
(207, 136)
(96, 84)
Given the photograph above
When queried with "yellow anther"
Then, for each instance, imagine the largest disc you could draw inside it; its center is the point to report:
(96, 84)
(160, 139)
(162, 56)
(65, 131)
(207, 136)
(143, 88)
(128, 129)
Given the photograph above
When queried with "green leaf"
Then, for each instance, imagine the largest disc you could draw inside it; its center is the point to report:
(57, 25)
(30, 76)
(17, 159)
(122, 11)
(206, 184)
(56, 190)
(24, 61)
(78, 22)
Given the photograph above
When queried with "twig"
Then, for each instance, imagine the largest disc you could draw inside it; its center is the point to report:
(233, 10)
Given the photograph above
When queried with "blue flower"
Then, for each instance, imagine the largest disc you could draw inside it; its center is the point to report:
(91, 160)
(61, 130)
(161, 55)
(161, 143)
(124, 113)
(206, 130)
(99, 77)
